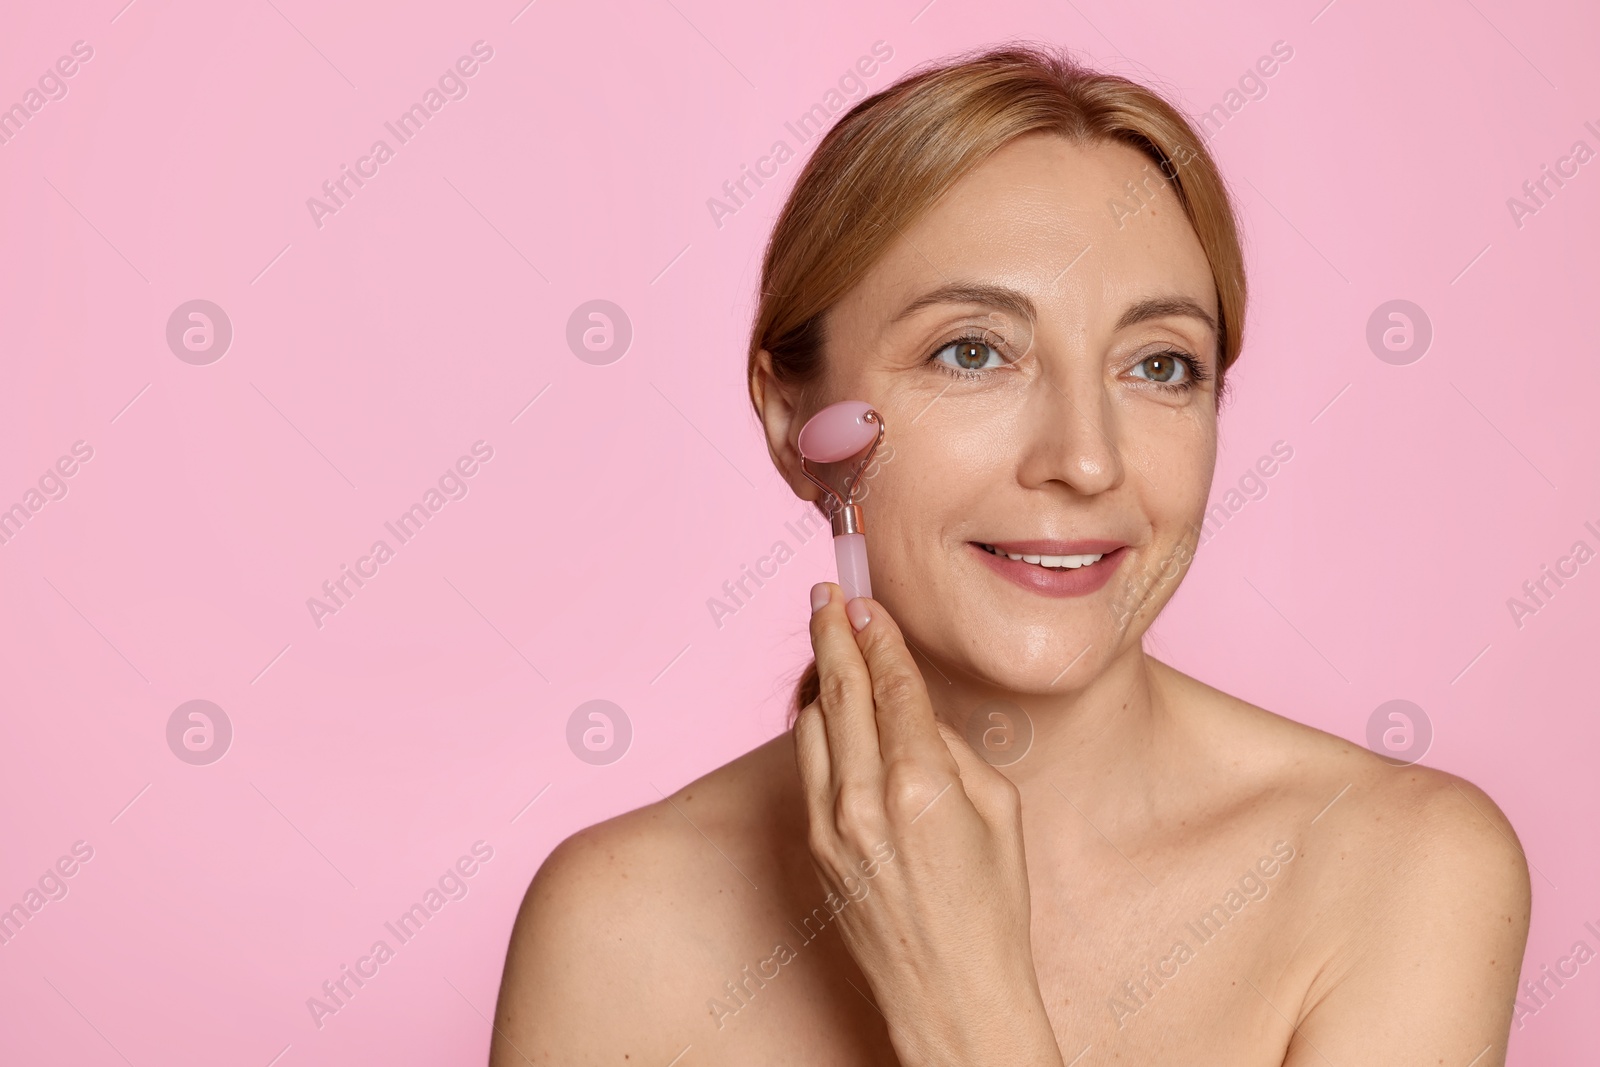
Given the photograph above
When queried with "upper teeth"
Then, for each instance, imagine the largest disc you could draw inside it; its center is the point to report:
(1050, 561)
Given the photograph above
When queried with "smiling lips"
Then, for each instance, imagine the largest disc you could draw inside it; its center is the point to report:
(1054, 568)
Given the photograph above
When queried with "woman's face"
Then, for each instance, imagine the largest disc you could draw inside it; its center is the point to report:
(1029, 349)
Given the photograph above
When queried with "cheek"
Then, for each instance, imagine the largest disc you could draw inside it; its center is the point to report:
(936, 465)
(922, 490)
(1176, 449)
(958, 438)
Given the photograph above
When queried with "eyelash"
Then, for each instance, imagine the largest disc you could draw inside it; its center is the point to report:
(969, 336)
(1195, 373)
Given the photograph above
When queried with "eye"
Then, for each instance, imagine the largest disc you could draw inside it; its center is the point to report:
(969, 355)
(1170, 369)
(1162, 367)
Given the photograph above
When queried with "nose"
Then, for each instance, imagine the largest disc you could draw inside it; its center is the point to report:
(1070, 433)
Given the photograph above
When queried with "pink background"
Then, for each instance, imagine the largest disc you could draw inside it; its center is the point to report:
(372, 352)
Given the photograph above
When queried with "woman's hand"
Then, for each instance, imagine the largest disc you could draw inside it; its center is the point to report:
(921, 841)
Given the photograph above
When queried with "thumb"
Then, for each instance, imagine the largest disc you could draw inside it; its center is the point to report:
(991, 792)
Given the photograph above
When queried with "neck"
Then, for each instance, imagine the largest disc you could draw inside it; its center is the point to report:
(1096, 742)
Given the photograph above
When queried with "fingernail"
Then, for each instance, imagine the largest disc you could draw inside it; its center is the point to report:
(819, 596)
(859, 615)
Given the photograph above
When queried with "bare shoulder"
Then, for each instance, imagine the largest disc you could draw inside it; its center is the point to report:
(1411, 886)
(1339, 796)
(624, 916)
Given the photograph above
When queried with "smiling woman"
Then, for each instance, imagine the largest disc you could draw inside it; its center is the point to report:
(1050, 374)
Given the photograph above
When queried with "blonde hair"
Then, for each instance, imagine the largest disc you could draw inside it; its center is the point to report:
(891, 157)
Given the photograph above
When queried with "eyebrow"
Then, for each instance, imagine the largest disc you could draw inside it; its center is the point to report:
(1014, 300)
(1161, 307)
(998, 296)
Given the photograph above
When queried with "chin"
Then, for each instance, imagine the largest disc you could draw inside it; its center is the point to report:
(1041, 648)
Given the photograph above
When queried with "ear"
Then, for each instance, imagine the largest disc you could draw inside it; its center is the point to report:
(781, 417)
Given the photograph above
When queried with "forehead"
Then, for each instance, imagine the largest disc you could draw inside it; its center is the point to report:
(1038, 215)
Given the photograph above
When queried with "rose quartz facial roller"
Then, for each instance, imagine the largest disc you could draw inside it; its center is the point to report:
(833, 435)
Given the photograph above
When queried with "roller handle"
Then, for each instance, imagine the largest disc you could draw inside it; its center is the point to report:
(851, 551)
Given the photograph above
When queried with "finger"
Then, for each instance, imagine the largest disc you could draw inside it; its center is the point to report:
(904, 715)
(991, 792)
(845, 695)
(816, 775)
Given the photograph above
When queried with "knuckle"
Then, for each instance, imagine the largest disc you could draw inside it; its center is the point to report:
(897, 686)
(834, 689)
(809, 718)
(856, 811)
(1005, 795)
(909, 787)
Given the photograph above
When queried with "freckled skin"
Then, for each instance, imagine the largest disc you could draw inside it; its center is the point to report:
(1148, 797)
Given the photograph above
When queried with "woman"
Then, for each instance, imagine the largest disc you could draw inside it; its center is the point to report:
(999, 832)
